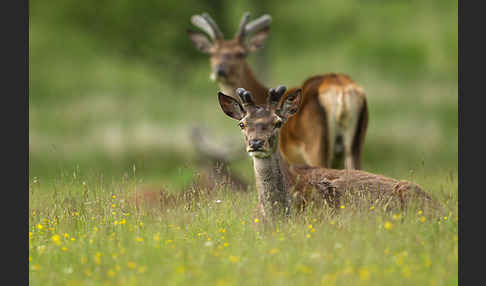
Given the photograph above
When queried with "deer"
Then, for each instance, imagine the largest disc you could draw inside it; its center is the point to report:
(329, 129)
(280, 183)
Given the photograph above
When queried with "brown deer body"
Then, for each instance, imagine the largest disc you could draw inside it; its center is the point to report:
(278, 181)
(330, 128)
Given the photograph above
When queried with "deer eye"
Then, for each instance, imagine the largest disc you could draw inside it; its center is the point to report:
(278, 124)
(240, 55)
(242, 125)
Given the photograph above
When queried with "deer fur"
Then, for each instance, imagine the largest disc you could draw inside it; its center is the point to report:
(278, 182)
(330, 128)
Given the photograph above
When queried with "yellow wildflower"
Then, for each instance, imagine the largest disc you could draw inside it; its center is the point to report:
(131, 265)
(274, 251)
(64, 249)
(257, 220)
(388, 225)
(422, 219)
(234, 259)
(111, 273)
(39, 226)
(139, 239)
(364, 274)
(56, 239)
(342, 206)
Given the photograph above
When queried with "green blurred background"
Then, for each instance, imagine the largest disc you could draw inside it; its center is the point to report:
(117, 84)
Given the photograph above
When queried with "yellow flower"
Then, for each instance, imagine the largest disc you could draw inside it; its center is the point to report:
(113, 205)
(226, 244)
(422, 219)
(180, 269)
(372, 208)
(95, 228)
(64, 249)
(139, 239)
(39, 226)
(364, 274)
(257, 220)
(222, 230)
(388, 225)
(30, 258)
(310, 226)
(111, 273)
(131, 265)
(56, 239)
(419, 212)
(30, 234)
(113, 197)
(308, 235)
(274, 251)
(446, 218)
(397, 216)
(123, 221)
(35, 267)
(342, 206)
(234, 259)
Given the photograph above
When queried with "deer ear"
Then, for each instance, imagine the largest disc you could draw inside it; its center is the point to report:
(256, 40)
(290, 104)
(230, 106)
(200, 41)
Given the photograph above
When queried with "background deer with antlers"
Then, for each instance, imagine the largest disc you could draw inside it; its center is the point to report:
(329, 129)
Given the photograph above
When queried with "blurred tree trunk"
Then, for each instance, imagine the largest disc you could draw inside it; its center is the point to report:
(262, 69)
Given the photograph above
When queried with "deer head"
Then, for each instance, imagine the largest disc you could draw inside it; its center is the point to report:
(227, 57)
(261, 125)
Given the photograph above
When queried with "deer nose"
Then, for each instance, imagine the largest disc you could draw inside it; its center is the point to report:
(256, 144)
(221, 71)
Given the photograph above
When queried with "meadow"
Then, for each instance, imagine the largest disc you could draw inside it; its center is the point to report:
(111, 109)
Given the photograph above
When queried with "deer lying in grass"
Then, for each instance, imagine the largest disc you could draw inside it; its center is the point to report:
(330, 127)
(277, 181)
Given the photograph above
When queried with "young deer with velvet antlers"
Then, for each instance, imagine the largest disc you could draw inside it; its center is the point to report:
(330, 127)
(278, 182)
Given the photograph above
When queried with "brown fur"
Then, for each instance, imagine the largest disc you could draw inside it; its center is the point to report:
(305, 137)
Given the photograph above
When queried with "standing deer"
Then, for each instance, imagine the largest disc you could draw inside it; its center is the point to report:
(277, 181)
(332, 121)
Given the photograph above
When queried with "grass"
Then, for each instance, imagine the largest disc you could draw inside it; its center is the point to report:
(87, 230)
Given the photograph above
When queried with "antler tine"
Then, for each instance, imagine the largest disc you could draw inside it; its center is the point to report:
(244, 21)
(274, 96)
(246, 97)
(217, 32)
(258, 24)
(200, 21)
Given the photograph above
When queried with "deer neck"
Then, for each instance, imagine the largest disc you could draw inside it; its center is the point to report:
(272, 183)
(247, 81)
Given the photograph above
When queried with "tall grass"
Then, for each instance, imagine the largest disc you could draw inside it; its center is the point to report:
(90, 231)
